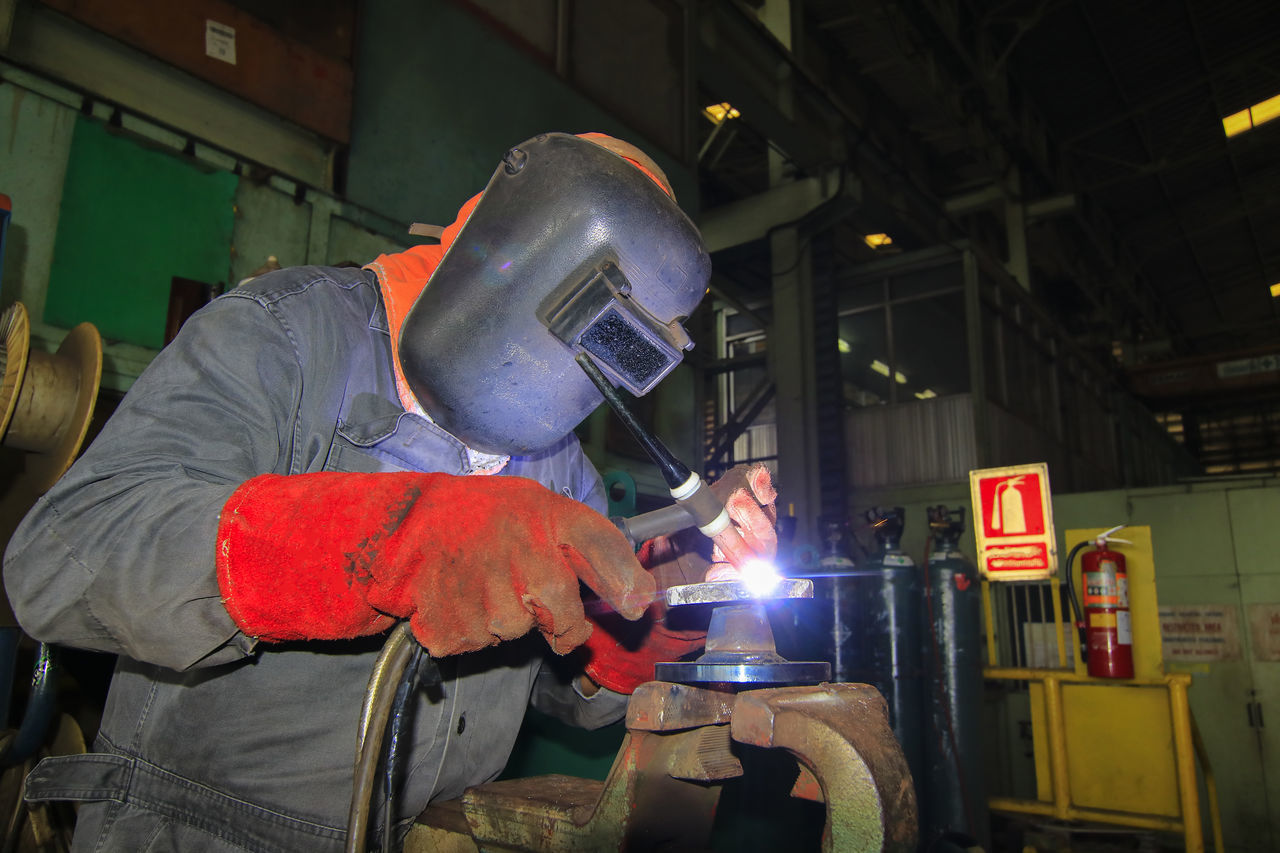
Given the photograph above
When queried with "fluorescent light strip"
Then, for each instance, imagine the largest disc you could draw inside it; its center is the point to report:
(1260, 113)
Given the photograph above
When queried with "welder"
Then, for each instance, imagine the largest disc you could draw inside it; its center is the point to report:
(323, 453)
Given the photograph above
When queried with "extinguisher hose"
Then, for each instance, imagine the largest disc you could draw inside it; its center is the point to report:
(1075, 603)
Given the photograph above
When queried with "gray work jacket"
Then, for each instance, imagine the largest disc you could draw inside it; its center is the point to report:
(205, 730)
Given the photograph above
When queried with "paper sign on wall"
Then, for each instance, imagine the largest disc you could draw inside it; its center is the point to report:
(1264, 625)
(1013, 522)
(220, 41)
(1197, 633)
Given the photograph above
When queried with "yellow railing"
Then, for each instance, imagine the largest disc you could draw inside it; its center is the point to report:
(1121, 752)
(1187, 747)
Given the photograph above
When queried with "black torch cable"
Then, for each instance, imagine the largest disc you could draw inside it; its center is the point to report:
(398, 716)
(675, 472)
(1075, 604)
(374, 715)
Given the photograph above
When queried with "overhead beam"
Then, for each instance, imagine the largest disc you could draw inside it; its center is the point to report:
(752, 218)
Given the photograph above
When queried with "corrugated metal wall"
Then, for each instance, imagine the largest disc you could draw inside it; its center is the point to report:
(922, 442)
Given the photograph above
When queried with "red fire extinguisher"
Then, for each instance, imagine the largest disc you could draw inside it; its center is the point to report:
(1108, 631)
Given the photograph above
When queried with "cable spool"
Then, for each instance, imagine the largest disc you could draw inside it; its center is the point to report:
(46, 401)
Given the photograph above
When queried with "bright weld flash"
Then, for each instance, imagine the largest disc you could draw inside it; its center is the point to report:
(760, 577)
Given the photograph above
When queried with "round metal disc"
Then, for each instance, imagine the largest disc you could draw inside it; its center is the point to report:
(712, 592)
(787, 672)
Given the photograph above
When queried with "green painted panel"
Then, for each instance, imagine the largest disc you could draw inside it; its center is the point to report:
(350, 243)
(440, 97)
(1190, 532)
(132, 218)
(1254, 530)
(267, 222)
(1218, 696)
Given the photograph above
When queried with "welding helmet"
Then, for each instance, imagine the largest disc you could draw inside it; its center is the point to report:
(575, 245)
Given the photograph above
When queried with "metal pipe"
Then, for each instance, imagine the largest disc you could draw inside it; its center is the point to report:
(1056, 593)
(659, 522)
(988, 619)
(1038, 807)
(1211, 786)
(1184, 752)
(1057, 748)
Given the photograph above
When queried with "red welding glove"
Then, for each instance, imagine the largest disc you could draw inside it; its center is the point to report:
(621, 655)
(469, 561)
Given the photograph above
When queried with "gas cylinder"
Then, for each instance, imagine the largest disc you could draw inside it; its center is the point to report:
(954, 803)
(873, 625)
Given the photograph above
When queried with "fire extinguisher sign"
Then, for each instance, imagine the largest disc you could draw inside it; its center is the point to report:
(1014, 523)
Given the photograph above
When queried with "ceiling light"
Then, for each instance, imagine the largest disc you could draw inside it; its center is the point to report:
(877, 241)
(926, 394)
(902, 380)
(1237, 123)
(1259, 113)
(1275, 289)
(843, 345)
(719, 112)
(1265, 111)
(880, 367)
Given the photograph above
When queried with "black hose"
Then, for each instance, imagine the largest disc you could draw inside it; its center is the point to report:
(675, 472)
(42, 707)
(387, 670)
(1075, 604)
(398, 716)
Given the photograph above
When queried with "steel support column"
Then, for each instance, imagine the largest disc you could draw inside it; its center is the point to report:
(791, 361)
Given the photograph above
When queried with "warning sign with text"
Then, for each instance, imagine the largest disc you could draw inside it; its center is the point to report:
(1264, 625)
(1200, 632)
(1013, 522)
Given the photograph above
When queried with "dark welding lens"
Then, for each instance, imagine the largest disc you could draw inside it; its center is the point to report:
(602, 316)
(628, 350)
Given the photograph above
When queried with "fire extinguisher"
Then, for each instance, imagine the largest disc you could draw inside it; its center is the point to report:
(1107, 632)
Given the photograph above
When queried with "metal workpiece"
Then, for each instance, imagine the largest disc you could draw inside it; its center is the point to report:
(663, 790)
(716, 592)
(741, 650)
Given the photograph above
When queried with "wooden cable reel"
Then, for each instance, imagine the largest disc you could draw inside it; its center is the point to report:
(46, 401)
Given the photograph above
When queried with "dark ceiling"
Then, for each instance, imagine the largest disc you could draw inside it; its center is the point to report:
(1172, 235)
(1151, 236)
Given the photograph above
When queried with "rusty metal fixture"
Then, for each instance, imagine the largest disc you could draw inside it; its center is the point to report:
(658, 706)
(46, 401)
(664, 786)
(840, 733)
(644, 804)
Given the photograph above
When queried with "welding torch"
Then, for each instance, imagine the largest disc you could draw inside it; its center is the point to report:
(695, 504)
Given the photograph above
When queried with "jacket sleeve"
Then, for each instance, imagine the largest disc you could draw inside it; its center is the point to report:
(119, 555)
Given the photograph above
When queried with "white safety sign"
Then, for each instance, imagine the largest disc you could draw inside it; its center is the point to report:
(1013, 522)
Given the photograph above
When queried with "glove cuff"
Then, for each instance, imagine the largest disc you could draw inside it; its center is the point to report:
(284, 565)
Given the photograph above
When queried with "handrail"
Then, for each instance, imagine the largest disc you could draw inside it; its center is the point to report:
(1187, 748)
